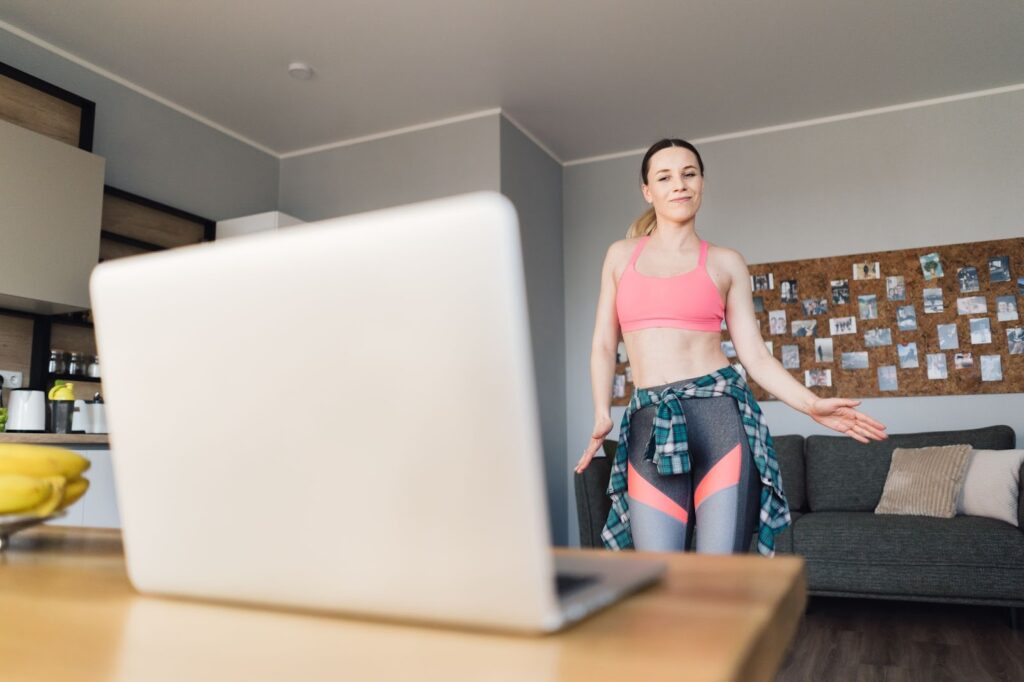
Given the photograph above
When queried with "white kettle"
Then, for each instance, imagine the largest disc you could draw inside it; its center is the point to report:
(26, 410)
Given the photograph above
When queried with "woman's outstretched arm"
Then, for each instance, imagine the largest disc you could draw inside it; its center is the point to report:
(838, 414)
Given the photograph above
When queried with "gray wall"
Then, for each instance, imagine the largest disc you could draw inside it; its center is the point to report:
(155, 151)
(532, 180)
(390, 171)
(934, 175)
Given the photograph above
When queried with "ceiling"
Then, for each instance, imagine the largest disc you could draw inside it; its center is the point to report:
(584, 77)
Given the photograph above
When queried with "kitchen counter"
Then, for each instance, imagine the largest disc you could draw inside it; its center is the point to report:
(56, 438)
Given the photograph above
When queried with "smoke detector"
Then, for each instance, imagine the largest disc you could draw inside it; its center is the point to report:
(300, 71)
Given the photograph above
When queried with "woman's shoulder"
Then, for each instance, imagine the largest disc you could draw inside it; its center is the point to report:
(623, 248)
(724, 255)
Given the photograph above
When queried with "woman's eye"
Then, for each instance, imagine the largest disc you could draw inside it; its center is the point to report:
(691, 175)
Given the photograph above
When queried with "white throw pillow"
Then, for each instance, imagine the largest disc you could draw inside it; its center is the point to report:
(992, 485)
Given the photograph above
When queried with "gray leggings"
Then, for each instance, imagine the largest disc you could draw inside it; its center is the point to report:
(719, 499)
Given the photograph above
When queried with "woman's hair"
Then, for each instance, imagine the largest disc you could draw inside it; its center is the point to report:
(644, 225)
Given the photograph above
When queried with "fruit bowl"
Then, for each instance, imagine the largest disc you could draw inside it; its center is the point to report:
(12, 523)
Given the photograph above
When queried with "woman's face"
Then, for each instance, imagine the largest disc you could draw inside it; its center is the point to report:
(674, 184)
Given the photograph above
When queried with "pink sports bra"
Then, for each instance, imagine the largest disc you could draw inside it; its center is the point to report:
(687, 301)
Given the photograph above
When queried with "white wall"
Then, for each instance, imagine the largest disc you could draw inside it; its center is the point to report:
(391, 171)
(940, 174)
(532, 180)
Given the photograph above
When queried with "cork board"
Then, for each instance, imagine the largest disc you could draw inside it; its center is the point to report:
(966, 313)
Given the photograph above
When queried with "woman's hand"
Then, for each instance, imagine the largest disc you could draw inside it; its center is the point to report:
(838, 414)
(602, 427)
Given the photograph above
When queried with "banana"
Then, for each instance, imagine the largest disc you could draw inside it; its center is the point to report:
(41, 460)
(19, 492)
(73, 491)
(51, 502)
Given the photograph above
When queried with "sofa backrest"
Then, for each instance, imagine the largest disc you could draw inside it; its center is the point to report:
(789, 450)
(844, 475)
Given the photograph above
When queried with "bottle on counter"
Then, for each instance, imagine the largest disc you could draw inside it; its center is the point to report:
(58, 361)
(75, 363)
(93, 370)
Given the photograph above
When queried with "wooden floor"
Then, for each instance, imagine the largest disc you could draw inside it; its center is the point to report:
(867, 639)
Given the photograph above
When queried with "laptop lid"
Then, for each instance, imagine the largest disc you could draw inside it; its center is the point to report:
(338, 416)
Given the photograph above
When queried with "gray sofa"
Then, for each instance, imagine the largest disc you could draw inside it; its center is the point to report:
(833, 485)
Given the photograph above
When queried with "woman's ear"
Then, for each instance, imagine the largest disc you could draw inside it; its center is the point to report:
(647, 194)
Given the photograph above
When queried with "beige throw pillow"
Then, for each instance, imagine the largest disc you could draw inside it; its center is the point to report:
(992, 485)
(924, 481)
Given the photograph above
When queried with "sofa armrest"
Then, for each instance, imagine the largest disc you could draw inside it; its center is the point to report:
(592, 502)
(1020, 500)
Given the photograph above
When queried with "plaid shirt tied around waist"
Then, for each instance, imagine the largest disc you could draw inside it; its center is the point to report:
(671, 456)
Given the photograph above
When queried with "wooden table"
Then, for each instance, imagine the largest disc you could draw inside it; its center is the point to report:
(68, 612)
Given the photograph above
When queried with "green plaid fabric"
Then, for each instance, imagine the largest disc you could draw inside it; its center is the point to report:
(668, 450)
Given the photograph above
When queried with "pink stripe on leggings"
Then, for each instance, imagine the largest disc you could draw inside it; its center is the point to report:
(724, 474)
(642, 491)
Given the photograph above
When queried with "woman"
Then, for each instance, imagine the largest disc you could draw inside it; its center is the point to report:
(694, 452)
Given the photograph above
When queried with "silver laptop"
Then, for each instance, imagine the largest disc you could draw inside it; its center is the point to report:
(341, 417)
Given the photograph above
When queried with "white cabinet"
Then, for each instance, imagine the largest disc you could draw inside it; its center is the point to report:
(51, 202)
(98, 507)
(251, 224)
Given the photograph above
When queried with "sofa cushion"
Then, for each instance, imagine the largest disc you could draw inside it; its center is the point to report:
(861, 552)
(925, 481)
(844, 475)
(789, 450)
(992, 485)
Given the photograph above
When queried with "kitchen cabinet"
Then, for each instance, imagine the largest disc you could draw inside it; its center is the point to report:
(98, 507)
(51, 202)
(251, 224)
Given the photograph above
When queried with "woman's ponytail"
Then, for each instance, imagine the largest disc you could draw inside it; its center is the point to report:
(643, 225)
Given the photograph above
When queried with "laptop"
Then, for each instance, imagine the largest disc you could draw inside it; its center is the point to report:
(342, 417)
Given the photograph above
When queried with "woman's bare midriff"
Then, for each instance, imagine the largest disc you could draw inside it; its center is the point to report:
(662, 355)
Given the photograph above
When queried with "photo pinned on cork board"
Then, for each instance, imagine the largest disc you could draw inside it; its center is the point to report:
(896, 288)
(867, 307)
(968, 278)
(971, 305)
(931, 266)
(991, 368)
(840, 291)
(1006, 308)
(823, 351)
(815, 306)
(818, 378)
(788, 291)
(887, 378)
(910, 300)
(907, 354)
(963, 360)
(842, 325)
(1015, 340)
(906, 318)
(933, 302)
(937, 366)
(762, 282)
(867, 270)
(999, 269)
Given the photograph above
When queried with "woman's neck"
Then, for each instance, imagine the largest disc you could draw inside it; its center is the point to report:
(675, 236)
